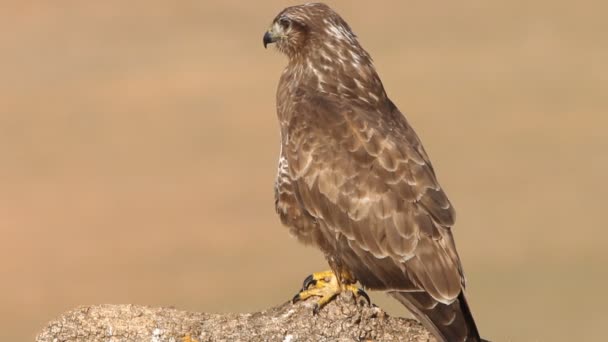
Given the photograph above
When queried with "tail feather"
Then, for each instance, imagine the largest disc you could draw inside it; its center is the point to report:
(449, 323)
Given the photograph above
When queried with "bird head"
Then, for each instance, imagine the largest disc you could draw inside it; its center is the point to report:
(324, 53)
(300, 29)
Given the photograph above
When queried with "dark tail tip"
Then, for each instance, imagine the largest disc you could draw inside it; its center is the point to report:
(468, 316)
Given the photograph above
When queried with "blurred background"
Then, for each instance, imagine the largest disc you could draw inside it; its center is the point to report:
(138, 149)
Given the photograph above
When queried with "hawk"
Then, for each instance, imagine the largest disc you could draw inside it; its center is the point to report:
(354, 180)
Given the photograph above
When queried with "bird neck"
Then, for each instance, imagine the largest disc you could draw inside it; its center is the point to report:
(346, 72)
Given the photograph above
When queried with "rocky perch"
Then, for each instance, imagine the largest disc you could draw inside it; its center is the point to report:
(340, 320)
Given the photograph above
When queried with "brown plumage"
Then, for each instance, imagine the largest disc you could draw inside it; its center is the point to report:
(354, 179)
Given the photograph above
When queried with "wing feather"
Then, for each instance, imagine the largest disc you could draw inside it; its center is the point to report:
(367, 179)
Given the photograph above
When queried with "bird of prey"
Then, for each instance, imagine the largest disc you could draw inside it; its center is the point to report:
(354, 180)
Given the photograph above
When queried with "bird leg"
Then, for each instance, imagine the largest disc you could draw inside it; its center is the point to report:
(327, 286)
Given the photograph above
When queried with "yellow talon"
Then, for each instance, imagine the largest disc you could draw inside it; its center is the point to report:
(320, 280)
(325, 285)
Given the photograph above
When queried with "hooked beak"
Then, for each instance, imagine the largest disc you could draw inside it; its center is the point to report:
(268, 38)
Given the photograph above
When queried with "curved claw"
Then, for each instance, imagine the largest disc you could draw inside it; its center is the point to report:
(315, 309)
(310, 280)
(295, 298)
(362, 293)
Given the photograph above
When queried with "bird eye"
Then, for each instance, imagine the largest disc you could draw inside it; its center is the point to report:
(285, 23)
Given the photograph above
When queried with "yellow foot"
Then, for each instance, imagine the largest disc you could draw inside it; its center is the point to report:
(326, 285)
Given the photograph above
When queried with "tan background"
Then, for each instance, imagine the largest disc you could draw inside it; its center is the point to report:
(138, 147)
